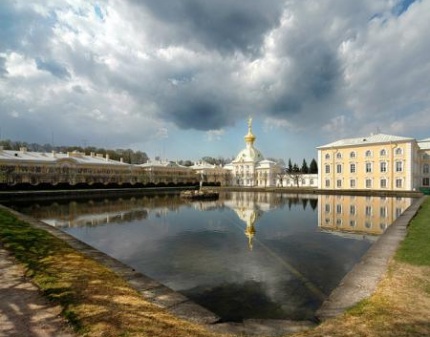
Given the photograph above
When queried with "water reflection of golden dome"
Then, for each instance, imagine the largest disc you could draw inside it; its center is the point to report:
(250, 233)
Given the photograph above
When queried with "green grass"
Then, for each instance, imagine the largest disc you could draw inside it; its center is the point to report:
(415, 249)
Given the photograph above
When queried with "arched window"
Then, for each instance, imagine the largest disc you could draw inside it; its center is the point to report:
(368, 153)
(339, 155)
(352, 154)
(327, 156)
(399, 151)
(383, 153)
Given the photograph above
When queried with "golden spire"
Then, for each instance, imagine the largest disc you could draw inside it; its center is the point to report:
(250, 138)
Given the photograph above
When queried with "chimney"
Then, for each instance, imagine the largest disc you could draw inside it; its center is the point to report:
(23, 149)
(53, 154)
(121, 160)
(92, 154)
(107, 157)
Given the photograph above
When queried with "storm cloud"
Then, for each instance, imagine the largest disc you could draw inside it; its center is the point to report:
(116, 70)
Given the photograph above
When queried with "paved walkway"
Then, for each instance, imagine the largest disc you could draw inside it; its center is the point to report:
(24, 312)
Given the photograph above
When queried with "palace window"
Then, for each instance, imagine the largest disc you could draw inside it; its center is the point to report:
(339, 183)
(383, 153)
(352, 209)
(399, 151)
(339, 209)
(426, 169)
(399, 166)
(327, 183)
(383, 212)
(352, 183)
(352, 154)
(368, 167)
(339, 155)
(327, 156)
(399, 183)
(426, 181)
(327, 169)
(352, 168)
(339, 168)
(383, 183)
(352, 223)
(368, 183)
(327, 208)
(383, 166)
(368, 210)
(368, 153)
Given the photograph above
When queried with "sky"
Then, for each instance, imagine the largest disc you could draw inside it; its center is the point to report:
(179, 79)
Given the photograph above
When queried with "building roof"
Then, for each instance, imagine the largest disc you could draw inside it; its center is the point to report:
(158, 163)
(249, 154)
(202, 165)
(424, 144)
(27, 156)
(372, 139)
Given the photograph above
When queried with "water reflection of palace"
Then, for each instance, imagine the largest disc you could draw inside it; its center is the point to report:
(366, 215)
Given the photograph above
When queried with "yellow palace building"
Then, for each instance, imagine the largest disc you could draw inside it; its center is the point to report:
(377, 162)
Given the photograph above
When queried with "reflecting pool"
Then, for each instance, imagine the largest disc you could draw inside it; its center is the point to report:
(246, 255)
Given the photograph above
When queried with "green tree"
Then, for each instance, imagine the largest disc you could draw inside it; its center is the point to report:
(305, 168)
(313, 167)
(290, 166)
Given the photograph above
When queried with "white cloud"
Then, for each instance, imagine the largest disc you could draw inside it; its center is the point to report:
(214, 135)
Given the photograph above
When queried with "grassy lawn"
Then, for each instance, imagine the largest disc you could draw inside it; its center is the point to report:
(98, 303)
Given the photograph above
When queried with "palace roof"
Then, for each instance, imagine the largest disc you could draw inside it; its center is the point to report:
(34, 157)
(424, 144)
(372, 139)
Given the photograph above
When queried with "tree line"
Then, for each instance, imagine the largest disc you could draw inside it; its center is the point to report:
(305, 168)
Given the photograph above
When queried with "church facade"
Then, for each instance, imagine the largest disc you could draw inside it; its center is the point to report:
(250, 169)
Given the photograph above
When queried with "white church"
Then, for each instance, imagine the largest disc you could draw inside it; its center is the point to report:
(250, 169)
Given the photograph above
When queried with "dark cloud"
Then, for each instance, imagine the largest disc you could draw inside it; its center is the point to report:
(200, 112)
(53, 67)
(224, 25)
(315, 78)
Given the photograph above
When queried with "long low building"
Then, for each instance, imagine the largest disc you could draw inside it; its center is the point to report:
(73, 168)
(377, 162)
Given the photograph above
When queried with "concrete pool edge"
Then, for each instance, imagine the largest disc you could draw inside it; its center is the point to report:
(362, 280)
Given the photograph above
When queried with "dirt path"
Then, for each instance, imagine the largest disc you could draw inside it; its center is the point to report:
(23, 310)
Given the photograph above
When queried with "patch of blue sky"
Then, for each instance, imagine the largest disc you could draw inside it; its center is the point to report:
(402, 6)
(98, 12)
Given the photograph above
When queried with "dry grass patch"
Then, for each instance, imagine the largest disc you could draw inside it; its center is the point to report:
(399, 308)
(94, 299)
